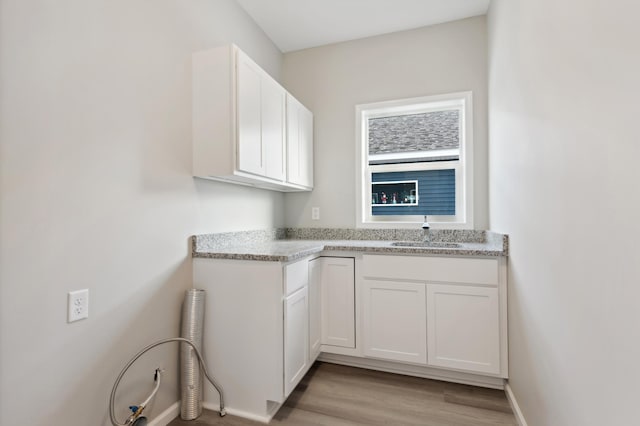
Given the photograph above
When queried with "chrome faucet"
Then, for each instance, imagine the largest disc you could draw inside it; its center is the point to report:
(425, 230)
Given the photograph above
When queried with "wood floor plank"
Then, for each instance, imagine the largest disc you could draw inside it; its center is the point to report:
(476, 397)
(288, 415)
(345, 396)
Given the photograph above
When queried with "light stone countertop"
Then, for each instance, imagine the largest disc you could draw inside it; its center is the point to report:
(283, 245)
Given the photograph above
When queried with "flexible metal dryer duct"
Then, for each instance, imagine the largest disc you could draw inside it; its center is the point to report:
(190, 377)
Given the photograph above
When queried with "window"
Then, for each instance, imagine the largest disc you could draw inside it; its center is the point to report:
(415, 160)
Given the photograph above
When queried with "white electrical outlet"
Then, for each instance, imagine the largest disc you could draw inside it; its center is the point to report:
(315, 213)
(77, 305)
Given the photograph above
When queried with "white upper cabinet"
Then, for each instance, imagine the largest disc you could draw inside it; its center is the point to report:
(240, 126)
(299, 143)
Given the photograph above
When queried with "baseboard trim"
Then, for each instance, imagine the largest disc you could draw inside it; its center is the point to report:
(413, 370)
(239, 413)
(164, 418)
(514, 405)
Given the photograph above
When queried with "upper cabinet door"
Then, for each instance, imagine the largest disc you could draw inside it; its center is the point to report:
(261, 121)
(299, 143)
(273, 122)
(249, 106)
(306, 145)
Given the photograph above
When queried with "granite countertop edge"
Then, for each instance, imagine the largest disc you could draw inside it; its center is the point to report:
(281, 246)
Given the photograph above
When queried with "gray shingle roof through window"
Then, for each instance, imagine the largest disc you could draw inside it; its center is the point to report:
(415, 132)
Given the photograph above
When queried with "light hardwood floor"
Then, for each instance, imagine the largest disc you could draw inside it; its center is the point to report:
(336, 395)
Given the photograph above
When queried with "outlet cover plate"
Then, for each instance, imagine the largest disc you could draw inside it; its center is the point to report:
(77, 305)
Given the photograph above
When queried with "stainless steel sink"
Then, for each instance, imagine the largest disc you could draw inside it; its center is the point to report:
(425, 244)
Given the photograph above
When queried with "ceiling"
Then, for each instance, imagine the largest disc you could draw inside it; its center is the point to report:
(300, 24)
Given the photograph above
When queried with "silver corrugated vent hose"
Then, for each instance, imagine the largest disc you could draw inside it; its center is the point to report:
(190, 377)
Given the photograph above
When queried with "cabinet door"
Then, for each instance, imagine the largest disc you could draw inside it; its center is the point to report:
(306, 147)
(395, 321)
(296, 338)
(299, 143)
(315, 269)
(249, 107)
(338, 302)
(273, 122)
(463, 327)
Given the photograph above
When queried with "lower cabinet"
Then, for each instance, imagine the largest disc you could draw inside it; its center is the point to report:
(331, 295)
(257, 327)
(296, 338)
(410, 314)
(395, 321)
(463, 327)
(337, 301)
(267, 322)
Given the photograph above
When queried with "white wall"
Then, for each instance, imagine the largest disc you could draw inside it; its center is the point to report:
(96, 193)
(564, 151)
(333, 79)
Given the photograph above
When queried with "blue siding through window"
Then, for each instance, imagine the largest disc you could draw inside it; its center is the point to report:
(436, 192)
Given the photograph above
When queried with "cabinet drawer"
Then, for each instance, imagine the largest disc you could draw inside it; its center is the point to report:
(439, 269)
(296, 275)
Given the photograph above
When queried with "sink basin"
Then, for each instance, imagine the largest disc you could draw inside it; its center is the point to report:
(425, 244)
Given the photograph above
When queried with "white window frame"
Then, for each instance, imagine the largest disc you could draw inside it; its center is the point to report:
(463, 219)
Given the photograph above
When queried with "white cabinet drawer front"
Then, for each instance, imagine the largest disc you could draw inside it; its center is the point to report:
(441, 269)
(395, 321)
(296, 275)
(463, 327)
